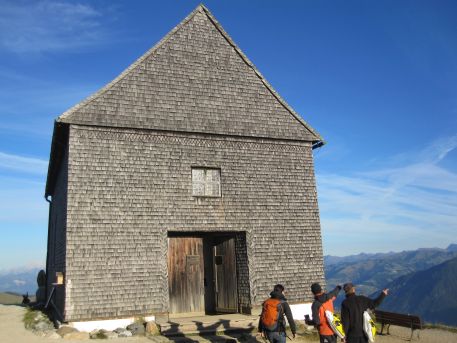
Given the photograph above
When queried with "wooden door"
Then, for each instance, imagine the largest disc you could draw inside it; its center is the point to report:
(225, 275)
(185, 274)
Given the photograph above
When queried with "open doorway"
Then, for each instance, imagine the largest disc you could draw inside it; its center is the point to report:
(203, 272)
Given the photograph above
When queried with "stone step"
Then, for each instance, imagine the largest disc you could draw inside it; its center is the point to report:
(209, 325)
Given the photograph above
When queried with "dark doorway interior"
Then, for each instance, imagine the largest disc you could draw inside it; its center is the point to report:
(202, 272)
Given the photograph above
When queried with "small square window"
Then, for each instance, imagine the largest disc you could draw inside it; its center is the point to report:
(206, 182)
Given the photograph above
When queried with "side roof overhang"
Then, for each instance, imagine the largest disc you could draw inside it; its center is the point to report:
(58, 147)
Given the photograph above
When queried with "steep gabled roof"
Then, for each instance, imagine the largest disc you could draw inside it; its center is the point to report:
(194, 80)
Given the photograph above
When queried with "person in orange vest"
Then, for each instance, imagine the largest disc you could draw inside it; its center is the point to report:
(322, 302)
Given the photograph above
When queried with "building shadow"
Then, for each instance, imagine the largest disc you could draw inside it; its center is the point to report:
(221, 331)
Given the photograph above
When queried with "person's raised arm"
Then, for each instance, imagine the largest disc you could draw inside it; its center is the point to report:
(334, 292)
(380, 298)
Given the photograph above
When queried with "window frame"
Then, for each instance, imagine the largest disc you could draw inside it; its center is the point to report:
(205, 182)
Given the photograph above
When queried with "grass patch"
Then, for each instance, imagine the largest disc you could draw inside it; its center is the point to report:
(29, 319)
(36, 320)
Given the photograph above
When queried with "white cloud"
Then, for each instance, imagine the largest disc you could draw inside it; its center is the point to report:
(43, 26)
(19, 282)
(408, 206)
(27, 165)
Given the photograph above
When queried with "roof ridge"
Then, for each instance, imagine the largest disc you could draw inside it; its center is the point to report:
(132, 66)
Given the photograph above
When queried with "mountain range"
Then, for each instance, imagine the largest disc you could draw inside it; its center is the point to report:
(421, 282)
(372, 272)
(429, 293)
(19, 281)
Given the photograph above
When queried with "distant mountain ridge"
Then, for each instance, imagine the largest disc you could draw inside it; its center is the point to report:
(330, 260)
(452, 247)
(372, 272)
(19, 281)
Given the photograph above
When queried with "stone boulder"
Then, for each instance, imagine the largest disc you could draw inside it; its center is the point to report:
(136, 329)
(65, 330)
(152, 328)
(121, 332)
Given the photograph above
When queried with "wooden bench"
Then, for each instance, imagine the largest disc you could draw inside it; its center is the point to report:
(398, 319)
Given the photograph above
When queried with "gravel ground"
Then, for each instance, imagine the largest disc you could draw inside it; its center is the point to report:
(401, 335)
(12, 330)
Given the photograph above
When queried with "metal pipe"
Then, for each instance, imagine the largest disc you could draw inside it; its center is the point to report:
(47, 247)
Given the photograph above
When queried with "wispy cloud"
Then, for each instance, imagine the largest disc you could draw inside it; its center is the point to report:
(22, 164)
(30, 265)
(440, 149)
(36, 102)
(413, 203)
(44, 26)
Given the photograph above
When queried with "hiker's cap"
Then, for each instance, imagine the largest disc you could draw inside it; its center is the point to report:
(316, 288)
(348, 287)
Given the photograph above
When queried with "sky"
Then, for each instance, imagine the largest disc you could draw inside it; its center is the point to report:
(377, 79)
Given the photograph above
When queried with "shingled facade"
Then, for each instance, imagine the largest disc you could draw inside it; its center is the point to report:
(185, 185)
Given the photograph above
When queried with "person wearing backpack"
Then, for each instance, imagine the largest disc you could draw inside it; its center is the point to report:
(352, 310)
(272, 324)
(323, 302)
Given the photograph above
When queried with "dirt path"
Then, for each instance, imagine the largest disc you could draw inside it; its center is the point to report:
(400, 335)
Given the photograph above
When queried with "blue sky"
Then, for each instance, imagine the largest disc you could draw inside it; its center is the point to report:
(377, 79)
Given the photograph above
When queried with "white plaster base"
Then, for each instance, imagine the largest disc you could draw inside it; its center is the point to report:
(300, 310)
(109, 325)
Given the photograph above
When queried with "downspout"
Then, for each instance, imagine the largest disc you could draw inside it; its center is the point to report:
(47, 249)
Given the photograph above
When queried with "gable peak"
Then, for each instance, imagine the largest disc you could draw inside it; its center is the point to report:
(202, 12)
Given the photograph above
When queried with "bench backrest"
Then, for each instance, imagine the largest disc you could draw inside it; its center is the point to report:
(399, 319)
